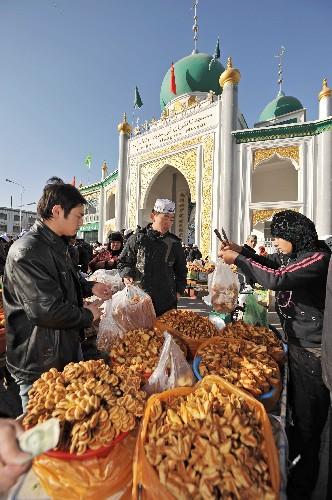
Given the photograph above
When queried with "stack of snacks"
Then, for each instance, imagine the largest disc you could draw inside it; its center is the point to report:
(138, 351)
(209, 443)
(93, 404)
(260, 335)
(240, 362)
(189, 326)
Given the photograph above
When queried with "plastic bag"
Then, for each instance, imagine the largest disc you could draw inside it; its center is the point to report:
(108, 329)
(146, 483)
(224, 289)
(172, 370)
(109, 477)
(111, 278)
(132, 309)
(254, 313)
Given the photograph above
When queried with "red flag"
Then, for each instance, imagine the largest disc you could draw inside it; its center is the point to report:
(172, 82)
(73, 182)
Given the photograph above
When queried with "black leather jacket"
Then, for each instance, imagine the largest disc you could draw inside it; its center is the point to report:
(43, 305)
(158, 264)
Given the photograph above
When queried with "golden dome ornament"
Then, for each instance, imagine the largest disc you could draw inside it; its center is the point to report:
(230, 75)
(326, 91)
(124, 126)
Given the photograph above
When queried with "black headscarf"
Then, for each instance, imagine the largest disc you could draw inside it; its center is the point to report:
(115, 236)
(295, 228)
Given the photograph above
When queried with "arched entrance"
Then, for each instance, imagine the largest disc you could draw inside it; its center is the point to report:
(170, 183)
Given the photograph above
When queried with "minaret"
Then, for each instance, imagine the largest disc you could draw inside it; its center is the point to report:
(102, 214)
(230, 181)
(121, 198)
(325, 101)
(324, 167)
(104, 171)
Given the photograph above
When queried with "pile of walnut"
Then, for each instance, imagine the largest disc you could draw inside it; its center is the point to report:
(260, 335)
(240, 362)
(138, 351)
(209, 445)
(93, 404)
(189, 324)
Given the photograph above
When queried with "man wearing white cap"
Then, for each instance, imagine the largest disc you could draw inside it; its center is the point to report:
(154, 258)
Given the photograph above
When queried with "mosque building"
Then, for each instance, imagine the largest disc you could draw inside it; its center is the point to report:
(202, 155)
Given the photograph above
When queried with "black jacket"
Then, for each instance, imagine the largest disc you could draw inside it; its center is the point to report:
(157, 262)
(194, 254)
(327, 333)
(43, 305)
(300, 281)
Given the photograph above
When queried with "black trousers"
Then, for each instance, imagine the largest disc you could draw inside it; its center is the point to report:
(309, 401)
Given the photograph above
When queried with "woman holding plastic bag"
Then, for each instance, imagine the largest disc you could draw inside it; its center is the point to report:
(297, 272)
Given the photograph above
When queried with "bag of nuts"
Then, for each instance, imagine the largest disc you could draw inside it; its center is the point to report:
(224, 289)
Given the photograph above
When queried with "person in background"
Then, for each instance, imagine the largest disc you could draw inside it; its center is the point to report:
(262, 251)
(4, 240)
(96, 248)
(194, 254)
(13, 461)
(127, 234)
(108, 258)
(251, 243)
(298, 273)
(85, 255)
(42, 296)
(154, 258)
(73, 252)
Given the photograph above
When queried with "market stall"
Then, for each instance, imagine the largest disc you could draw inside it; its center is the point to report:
(201, 437)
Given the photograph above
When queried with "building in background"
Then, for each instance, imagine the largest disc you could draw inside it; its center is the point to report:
(10, 220)
(201, 154)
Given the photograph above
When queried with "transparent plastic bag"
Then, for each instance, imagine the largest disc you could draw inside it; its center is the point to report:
(172, 370)
(132, 309)
(224, 289)
(111, 278)
(108, 330)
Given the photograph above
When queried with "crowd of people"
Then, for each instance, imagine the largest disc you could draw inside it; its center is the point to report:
(44, 288)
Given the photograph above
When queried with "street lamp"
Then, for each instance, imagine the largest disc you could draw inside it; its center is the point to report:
(22, 190)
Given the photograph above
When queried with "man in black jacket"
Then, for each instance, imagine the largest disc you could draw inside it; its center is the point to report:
(298, 274)
(43, 302)
(154, 258)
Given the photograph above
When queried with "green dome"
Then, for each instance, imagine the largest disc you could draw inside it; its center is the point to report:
(192, 74)
(281, 105)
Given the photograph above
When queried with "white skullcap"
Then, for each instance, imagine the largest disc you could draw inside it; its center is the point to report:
(164, 206)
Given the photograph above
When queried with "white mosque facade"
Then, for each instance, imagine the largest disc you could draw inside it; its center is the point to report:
(202, 155)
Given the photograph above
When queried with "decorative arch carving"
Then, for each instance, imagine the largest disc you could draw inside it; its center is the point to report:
(290, 152)
(184, 162)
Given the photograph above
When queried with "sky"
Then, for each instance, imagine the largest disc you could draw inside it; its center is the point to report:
(68, 70)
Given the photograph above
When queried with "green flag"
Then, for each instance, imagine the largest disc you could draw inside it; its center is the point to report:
(138, 103)
(88, 161)
(217, 50)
